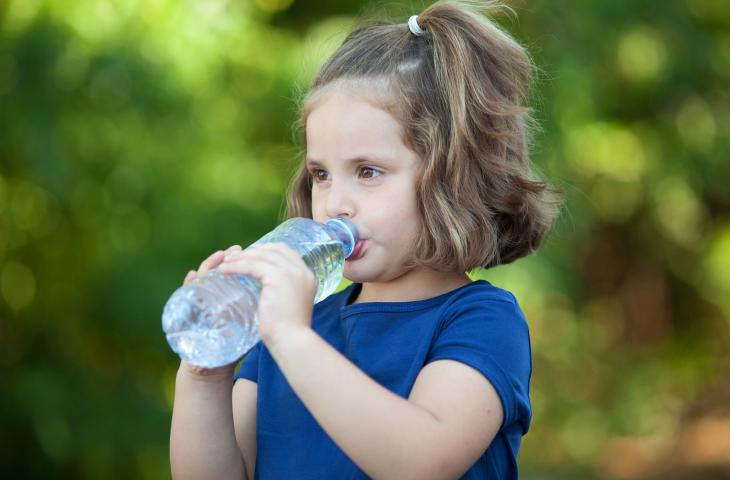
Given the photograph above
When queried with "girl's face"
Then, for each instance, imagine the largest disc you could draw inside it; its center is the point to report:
(361, 168)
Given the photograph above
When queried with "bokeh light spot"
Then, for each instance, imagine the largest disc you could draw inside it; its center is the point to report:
(696, 124)
(584, 432)
(17, 284)
(641, 54)
(679, 211)
(28, 205)
(615, 201)
(19, 14)
(607, 149)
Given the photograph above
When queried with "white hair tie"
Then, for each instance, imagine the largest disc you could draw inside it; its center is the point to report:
(413, 26)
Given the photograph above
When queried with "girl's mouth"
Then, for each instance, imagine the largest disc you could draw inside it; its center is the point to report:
(357, 252)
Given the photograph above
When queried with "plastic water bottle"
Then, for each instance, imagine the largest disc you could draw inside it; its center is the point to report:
(213, 320)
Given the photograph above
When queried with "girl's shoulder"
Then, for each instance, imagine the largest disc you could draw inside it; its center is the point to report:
(482, 301)
(482, 291)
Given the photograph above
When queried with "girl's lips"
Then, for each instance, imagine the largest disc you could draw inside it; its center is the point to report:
(357, 252)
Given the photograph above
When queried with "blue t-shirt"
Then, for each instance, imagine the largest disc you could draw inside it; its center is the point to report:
(477, 324)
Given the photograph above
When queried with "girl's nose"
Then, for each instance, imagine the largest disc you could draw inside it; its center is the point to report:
(339, 202)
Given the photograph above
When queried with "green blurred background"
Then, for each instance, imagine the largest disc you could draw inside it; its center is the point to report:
(137, 137)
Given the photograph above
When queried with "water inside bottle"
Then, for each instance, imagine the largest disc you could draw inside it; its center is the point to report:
(212, 320)
(209, 348)
(326, 260)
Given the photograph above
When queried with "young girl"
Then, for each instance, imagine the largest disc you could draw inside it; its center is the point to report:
(418, 133)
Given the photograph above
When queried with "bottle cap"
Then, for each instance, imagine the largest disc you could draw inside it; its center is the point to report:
(346, 232)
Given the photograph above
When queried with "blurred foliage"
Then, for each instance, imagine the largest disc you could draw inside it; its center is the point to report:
(136, 137)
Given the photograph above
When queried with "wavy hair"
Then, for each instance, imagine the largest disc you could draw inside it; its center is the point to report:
(459, 91)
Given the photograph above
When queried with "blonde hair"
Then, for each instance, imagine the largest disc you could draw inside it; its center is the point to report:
(458, 91)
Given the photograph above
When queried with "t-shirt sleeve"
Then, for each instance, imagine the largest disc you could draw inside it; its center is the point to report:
(490, 334)
(250, 365)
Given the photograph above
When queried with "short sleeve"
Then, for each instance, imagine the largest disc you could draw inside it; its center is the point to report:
(250, 365)
(490, 334)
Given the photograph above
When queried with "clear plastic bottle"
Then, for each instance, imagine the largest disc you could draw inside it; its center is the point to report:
(213, 320)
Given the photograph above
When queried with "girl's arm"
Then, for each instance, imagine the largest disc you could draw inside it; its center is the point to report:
(450, 418)
(202, 439)
(203, 432)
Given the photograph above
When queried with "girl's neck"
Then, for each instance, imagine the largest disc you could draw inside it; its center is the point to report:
(412, 286)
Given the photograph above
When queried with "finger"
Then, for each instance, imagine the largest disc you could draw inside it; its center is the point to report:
(283, 255)
(245, 257)
(216, 259)
(230, 254)
(233, 248)
(267, 257)
(287, 251)
(266, 266)
(211, 262)
(192, 274)
(279, 252)
(248, 265)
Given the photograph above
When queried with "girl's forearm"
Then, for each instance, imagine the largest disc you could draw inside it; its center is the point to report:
(384, 434)
(202, 436)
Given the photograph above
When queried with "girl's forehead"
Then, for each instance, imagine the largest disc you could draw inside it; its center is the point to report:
(349, 119)
(342, 111)
(375, 91)
(343, 120)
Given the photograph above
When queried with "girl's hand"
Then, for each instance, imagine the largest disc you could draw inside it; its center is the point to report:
(287, 287)
(208, 264)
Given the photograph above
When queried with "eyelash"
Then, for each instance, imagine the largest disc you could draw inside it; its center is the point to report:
(313, 173)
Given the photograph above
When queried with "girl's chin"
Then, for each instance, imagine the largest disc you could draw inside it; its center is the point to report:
(356, 275)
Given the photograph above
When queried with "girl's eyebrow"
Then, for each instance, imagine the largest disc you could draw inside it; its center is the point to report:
(353, 161)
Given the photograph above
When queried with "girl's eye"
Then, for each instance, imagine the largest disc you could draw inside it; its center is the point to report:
(372, 171)
(319, 175)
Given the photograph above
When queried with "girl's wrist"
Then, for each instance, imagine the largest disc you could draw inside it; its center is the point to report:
(207, 374)
(290, 340)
